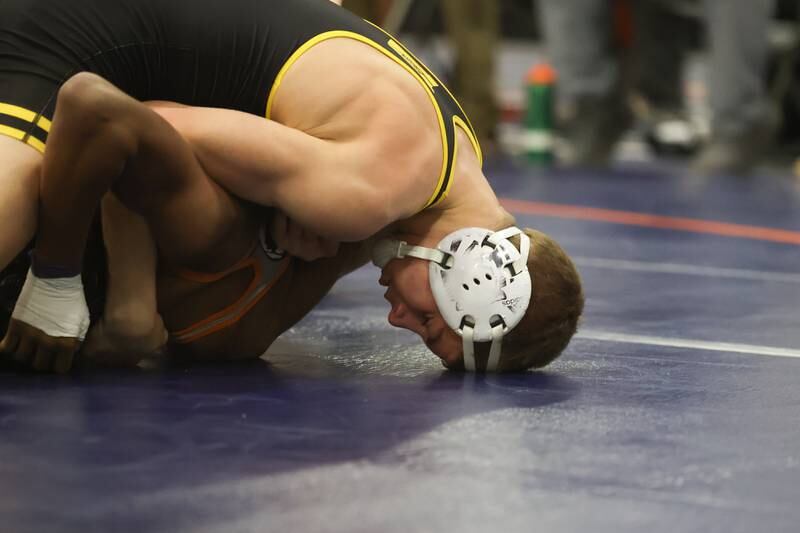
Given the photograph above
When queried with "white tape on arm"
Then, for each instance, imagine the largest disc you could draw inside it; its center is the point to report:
(56, 306)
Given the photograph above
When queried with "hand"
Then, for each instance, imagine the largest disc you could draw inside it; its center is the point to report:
(35, 349)
(298, 241)
(110, 346)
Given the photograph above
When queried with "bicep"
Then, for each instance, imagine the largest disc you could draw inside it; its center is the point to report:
(316, 182)
(245, 153)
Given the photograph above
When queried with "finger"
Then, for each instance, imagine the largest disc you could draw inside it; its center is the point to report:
(315, 246)
(294, 234)
(95, 348)
(326, 247)
(10, 342)
(302, 251)
(93, 338)
(64, 358)
(320, 246)
(278, 229)
(294, 242)
(43, 358)
(329, 248)
(309, 251)
(25, 349)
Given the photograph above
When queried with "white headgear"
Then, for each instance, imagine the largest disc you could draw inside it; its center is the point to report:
(479, 280)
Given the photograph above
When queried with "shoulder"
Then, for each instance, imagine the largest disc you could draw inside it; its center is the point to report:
(403, 153)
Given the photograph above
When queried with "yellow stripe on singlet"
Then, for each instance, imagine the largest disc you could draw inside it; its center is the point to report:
(19, 135)
(14, 133)
(25, 114)
(35, 143)
(17, 112)
(468, 129)
(366, 40)
(414, 62)
(458, 123)
(44, 124)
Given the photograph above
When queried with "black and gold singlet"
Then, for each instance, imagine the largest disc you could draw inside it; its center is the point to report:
(217, 53)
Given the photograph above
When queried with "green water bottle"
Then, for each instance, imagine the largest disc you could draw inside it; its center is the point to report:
(538, 135)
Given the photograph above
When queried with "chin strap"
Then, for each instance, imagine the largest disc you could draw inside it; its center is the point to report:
(469, 348)
(468, 344)
(494, 351)
(421, 252)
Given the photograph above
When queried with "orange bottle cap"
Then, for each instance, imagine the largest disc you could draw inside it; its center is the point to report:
(542, 74)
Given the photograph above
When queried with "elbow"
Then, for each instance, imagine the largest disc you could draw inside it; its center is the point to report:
(374, 210)
(352, 214)
(96, 109)
(357, 229)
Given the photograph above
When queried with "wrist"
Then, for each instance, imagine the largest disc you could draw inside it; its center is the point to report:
(45, 270)
(56, 306)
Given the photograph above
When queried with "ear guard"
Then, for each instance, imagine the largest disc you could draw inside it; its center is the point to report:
(480, 282)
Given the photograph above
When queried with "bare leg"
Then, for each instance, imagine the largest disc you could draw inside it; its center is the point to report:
(19, 196)
(579, 42)
(591, 110)
(744, 119)
(738, 56)
(473, 29)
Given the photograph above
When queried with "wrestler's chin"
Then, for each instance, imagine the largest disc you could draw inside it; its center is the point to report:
(453, 363)
(450, 356)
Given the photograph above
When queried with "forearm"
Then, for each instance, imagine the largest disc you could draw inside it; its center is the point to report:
(84, 155)
(131, 327)
(131, 308)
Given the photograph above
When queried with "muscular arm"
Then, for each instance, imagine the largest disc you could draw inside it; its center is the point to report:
(131, 327)
(319, 183)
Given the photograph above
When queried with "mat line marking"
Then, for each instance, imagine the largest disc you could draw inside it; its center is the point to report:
(684, 269)
(631, 218)
(691, 344)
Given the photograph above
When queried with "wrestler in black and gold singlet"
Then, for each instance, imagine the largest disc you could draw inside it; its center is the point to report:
(217, 53)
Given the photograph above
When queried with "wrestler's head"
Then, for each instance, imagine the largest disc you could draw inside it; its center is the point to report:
(545, 329)
(409, 293)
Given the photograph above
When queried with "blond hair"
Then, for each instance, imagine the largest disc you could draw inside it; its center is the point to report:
(555, 309)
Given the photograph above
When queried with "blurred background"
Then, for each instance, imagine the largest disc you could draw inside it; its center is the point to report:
(710, 84)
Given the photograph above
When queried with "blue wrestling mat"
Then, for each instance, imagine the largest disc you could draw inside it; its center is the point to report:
(676, 409)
